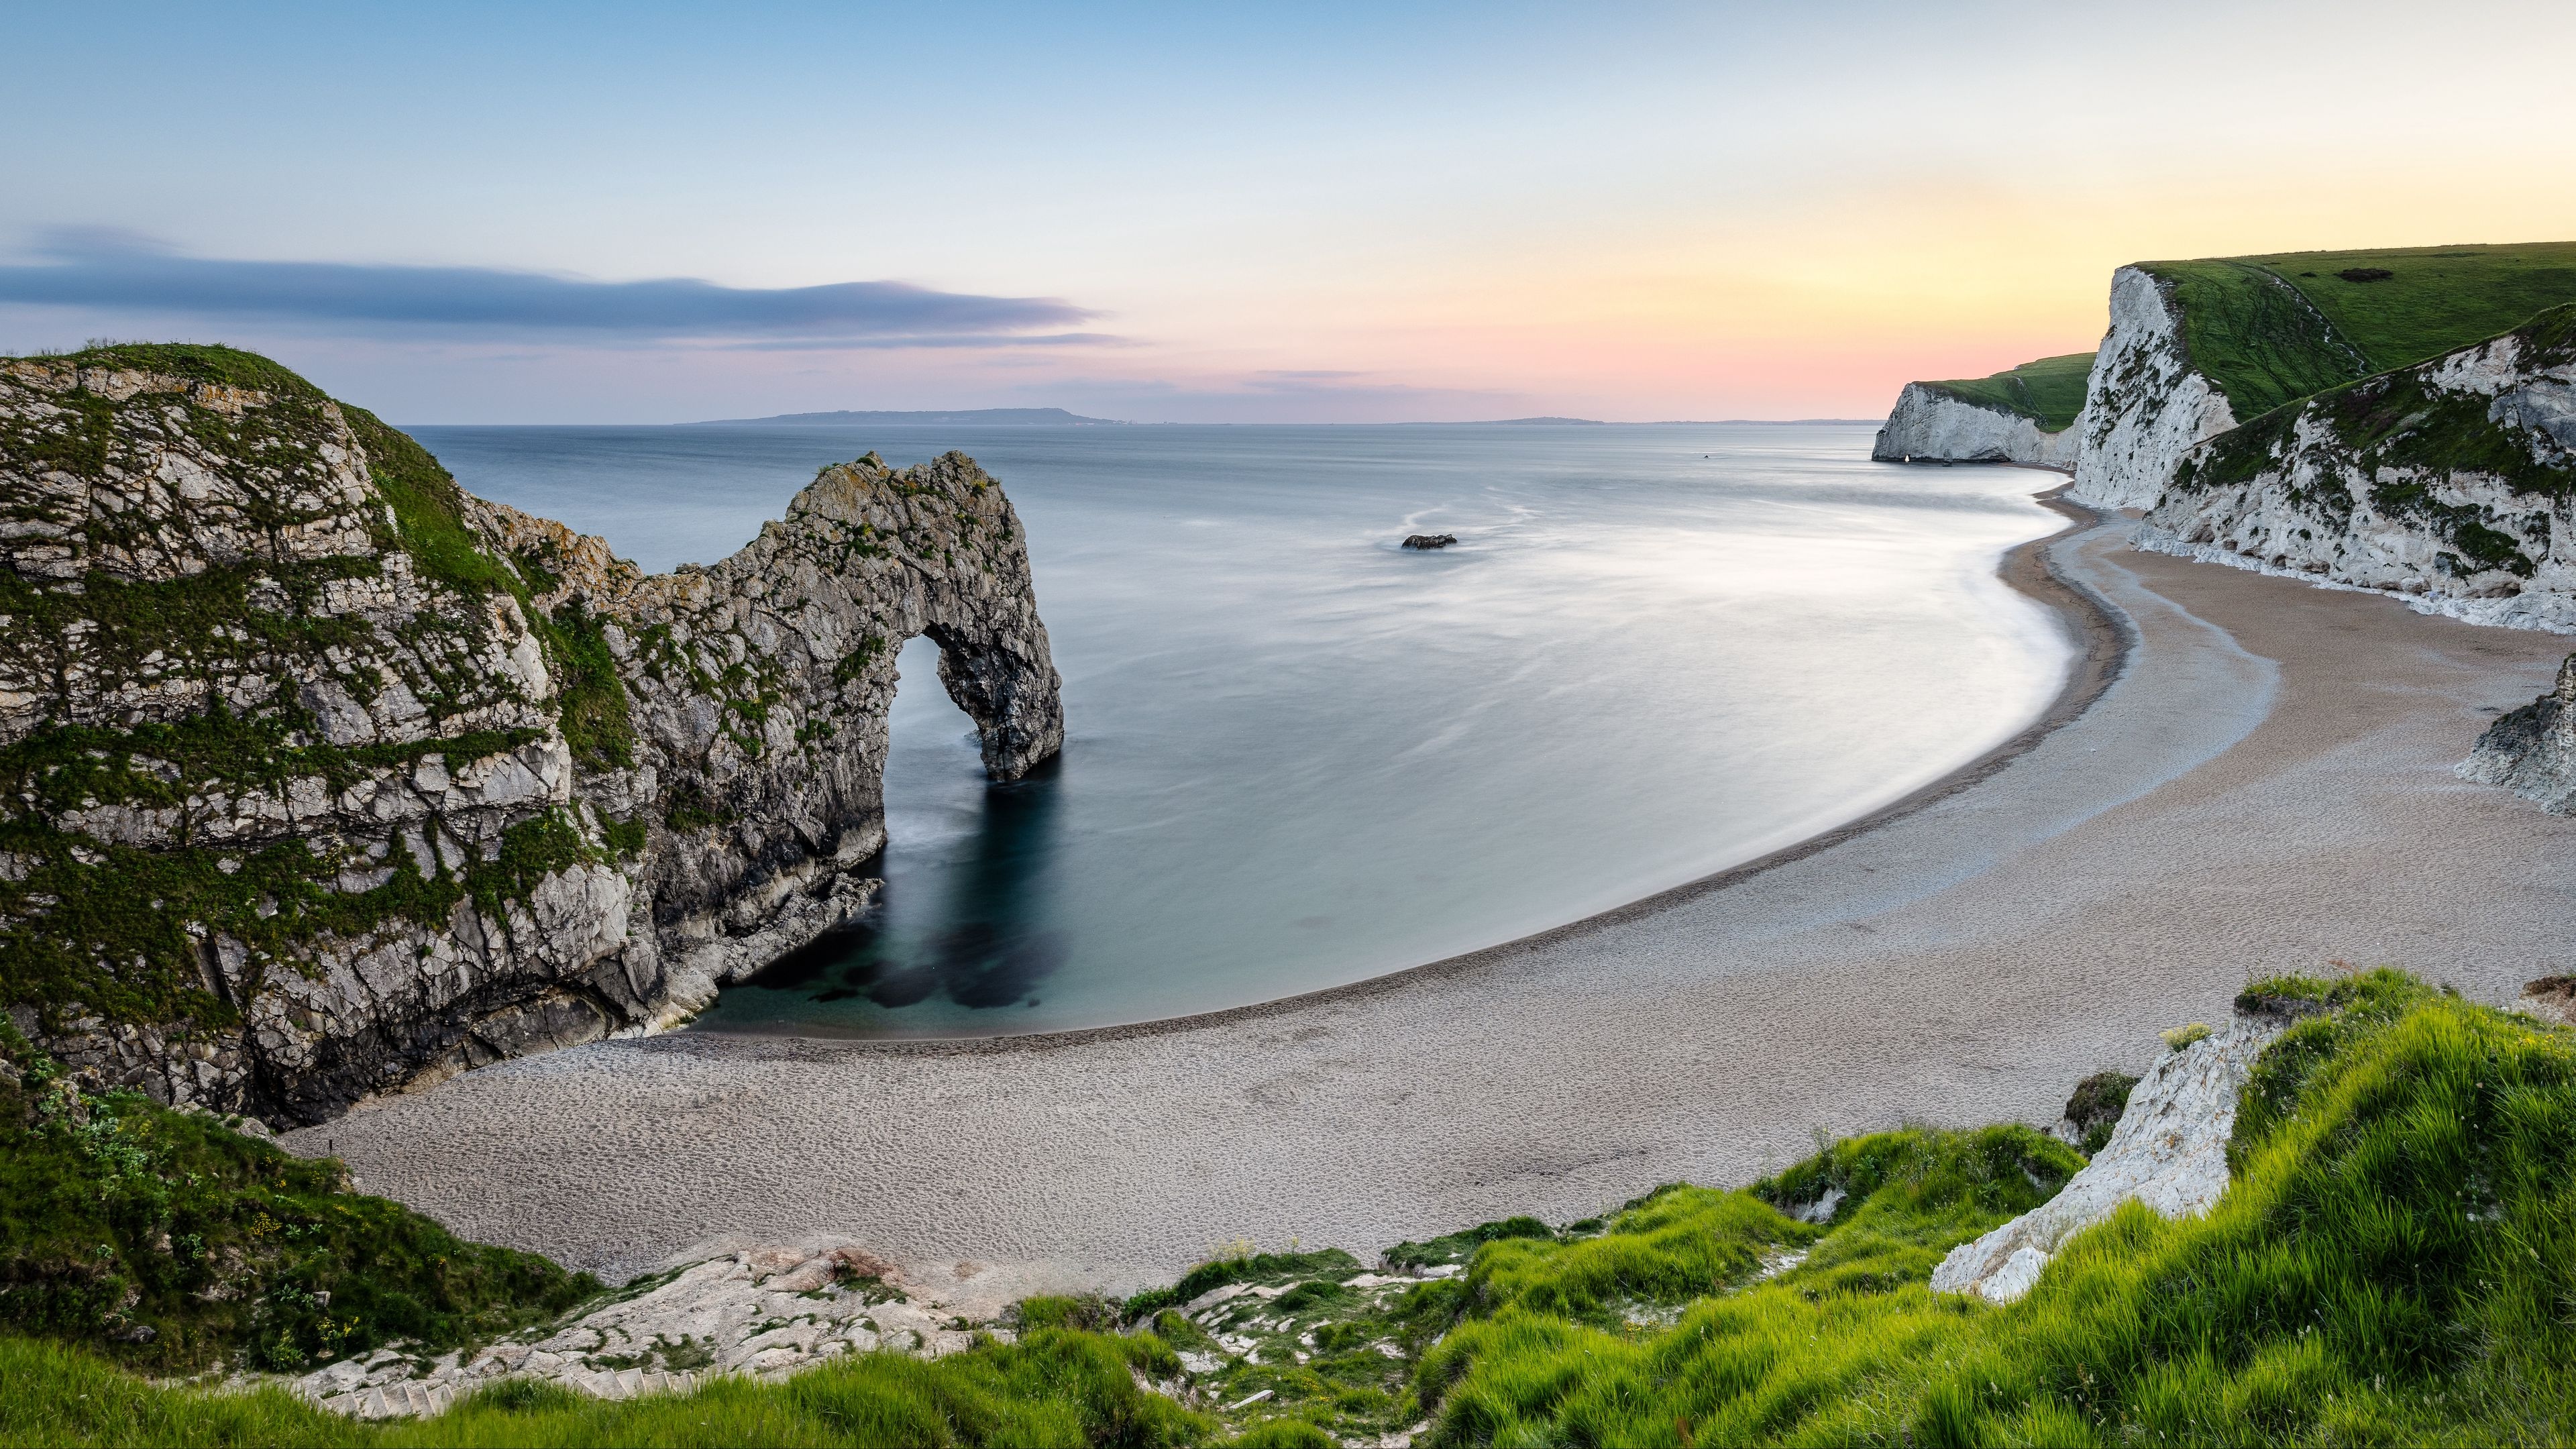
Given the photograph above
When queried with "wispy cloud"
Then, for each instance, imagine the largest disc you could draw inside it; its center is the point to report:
(127, 273)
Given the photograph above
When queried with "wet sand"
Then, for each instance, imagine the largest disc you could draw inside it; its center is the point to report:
(2265, 786)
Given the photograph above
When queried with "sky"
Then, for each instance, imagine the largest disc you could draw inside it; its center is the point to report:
(1220, 212)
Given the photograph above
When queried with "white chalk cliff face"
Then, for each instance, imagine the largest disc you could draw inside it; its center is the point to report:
(320, 778)
(1931, 425)
(2169, 1152)
(2453, 482)
(2146, 407)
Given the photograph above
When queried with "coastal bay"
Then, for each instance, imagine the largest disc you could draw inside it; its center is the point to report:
(2264, 787)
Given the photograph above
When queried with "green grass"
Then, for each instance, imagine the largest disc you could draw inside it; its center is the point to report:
(2269, 330)
(2049, 391)
(168, 1243)
(1056, 1387)
(118, 930)
(2401, 421)
(2394, 1263)
(194, 361)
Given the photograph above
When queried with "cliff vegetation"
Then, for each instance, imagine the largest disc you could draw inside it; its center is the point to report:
(2048, 391)
(2269, 330)
(320, 777)
(2389, 1264)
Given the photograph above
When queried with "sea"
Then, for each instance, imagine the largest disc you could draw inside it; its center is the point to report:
(1298, 755)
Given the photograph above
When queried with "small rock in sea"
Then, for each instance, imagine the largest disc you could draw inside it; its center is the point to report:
(1430, 540)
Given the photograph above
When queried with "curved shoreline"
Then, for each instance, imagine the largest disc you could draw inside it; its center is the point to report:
(2103, 635)
(2264, 786)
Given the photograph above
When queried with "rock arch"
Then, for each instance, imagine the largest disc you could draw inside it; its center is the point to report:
(759, 688)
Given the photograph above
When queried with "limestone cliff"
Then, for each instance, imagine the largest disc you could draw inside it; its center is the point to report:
(2451, 480)
(2532, 751)
(1930, 423)
(2147, 406)
(323, 778)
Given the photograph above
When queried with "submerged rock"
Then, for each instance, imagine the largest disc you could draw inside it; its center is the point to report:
(1429, 540)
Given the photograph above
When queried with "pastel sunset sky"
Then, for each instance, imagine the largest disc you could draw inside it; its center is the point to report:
(1217, 212)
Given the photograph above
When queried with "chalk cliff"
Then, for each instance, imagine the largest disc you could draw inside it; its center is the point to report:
(2147, 407)
(1931, 424)
(320, 777)
(2453, 481)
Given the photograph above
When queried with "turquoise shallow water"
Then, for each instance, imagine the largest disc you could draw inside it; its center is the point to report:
(1298, 756)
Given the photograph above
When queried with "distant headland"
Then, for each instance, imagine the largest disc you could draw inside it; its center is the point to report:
(984, 417)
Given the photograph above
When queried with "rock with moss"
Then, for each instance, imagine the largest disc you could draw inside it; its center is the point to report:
(2167, 1150)
(2532, 751)
(320, 777)
(2452, 482)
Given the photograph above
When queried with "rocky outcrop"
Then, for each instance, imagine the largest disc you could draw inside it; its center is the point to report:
(763, 1313)
(2147, 406)
(2532, 751)
(1930, 424)
(757, 690)
(2169, 1152)
(2450, 481)
(319, 777)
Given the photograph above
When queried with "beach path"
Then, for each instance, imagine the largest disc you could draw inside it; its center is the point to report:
(2266, 787)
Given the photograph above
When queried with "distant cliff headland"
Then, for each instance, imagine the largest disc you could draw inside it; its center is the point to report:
(969, 417)
(324, 777)
(2401, 420)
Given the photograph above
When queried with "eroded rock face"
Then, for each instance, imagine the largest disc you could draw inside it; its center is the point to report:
(2452, 482)
(758, 691)
(319, 777)
(2169, 1152)
(765, 1313)
(2532, 751)
(2146, 407)
(1929, 425)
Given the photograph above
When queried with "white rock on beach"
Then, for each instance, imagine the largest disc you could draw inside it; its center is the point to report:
(2169, 1152)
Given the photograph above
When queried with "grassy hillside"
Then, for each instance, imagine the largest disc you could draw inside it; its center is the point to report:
(2049, 391)
(169, 1243)
(2273, 329)
(2392, 1264)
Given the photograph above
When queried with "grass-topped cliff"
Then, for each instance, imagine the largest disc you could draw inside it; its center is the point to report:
(320, 776)
(237, 621)
(2048, 391)
(2268, 330)
(2391, 1263)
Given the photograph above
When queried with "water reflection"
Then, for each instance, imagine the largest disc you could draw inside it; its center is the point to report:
(975, 930)
(1300, 756)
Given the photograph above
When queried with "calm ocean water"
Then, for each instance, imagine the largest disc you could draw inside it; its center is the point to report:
(1298, 756)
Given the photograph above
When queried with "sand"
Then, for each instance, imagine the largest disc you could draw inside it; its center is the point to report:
(2265, 786)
